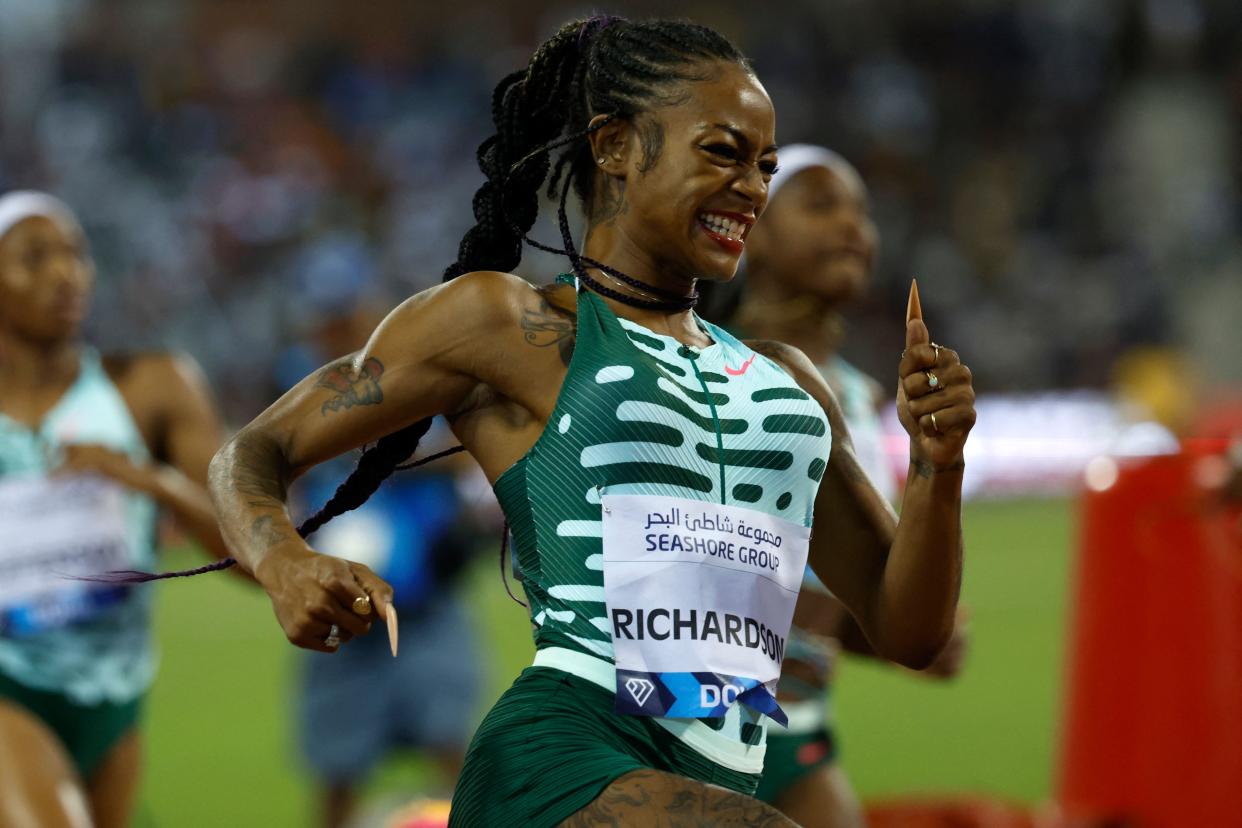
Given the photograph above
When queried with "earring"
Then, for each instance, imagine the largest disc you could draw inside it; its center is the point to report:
(601, 160)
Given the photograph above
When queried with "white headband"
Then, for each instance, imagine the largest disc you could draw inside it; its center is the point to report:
(19, 205)
(798, 157)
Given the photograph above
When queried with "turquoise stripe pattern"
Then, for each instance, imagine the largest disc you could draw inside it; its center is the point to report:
(640, 413)
(109, 658)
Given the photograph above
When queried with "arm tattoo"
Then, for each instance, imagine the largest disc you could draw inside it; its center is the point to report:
(924, 469)
(549, 326)
(360, 389)
(263, 533)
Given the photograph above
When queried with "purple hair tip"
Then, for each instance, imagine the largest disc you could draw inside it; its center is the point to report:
(593, 25)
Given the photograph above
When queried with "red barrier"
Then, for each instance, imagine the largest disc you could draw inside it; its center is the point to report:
(958, 812)
(1153, 726)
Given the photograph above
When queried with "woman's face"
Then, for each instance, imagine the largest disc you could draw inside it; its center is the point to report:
(817, 237)
(45, 279)
(695, 186)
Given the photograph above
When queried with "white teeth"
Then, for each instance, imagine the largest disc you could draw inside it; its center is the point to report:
(728, 228)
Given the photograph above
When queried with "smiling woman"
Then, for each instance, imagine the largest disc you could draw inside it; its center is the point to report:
(668, 138)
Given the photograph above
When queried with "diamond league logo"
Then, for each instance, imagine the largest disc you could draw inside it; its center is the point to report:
(640, 689)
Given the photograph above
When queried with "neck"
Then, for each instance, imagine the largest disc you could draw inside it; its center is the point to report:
(609, 245)
(810, 323)
(32, 364)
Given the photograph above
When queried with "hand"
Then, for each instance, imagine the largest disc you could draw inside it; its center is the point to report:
(937, 417)
(311, 592)
(91, 458)
(951, 659)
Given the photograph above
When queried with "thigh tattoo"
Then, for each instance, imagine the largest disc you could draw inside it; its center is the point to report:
(654, 798)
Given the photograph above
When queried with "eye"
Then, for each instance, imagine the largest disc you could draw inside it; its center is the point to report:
(33, 256)
(723, 150)
(769, 167)
(825, 204)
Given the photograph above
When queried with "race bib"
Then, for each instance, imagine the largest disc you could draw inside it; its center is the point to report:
(51, 531)
(700, 597)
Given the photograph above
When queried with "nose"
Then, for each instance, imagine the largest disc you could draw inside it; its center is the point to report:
(752, 185)
(859, 229)
(68, 272)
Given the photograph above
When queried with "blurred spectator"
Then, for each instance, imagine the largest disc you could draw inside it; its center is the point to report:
(1061, 176)
(358, 705)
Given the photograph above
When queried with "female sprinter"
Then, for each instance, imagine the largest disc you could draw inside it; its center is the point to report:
(813, 253)
(656, 472)
(76, 661)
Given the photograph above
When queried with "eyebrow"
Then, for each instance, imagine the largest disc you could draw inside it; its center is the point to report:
(741, 138)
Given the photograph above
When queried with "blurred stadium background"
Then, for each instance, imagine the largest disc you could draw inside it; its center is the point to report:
(1062, 176)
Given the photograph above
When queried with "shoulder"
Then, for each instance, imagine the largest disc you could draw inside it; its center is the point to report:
(161, 390)
(167, 372)
(485, 299)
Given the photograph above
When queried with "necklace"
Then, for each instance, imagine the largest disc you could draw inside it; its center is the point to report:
(646, 302)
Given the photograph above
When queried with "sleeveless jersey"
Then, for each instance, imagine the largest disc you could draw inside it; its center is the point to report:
(640, 413)
(108, 657)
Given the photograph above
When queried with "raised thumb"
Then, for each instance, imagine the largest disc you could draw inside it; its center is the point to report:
(916, 333)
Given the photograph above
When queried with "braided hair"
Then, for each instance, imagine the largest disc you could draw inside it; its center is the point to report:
(602, 65)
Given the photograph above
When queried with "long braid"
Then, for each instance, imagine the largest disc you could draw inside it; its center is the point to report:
(612, 70)
(600, 66)
(374, 466)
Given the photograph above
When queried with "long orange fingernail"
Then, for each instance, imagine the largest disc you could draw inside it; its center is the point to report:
(914, 308)
(390, 614)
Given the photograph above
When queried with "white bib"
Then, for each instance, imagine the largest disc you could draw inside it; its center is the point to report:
(51, 531)
(700, 598)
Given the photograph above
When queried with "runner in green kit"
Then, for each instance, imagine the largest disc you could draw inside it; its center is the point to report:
(603, 398)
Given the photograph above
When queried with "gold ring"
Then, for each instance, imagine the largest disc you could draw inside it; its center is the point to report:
(937, 348)
(935, 427)
(933, 381)
(362, 605)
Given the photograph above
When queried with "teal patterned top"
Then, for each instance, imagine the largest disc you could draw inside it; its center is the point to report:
(640, 413)
(110, 657)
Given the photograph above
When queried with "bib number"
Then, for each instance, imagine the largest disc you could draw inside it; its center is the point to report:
(700, 597)
(51, 531)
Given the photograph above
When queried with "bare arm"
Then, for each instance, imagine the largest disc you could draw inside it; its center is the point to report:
(422, 360)
(172, 393)
(191, 434)
(900, 580)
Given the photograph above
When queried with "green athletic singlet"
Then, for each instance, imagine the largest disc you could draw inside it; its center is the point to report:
(638, 413)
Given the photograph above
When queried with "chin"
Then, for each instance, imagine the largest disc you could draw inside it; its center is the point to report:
(56, 331)
(717, 268)
(718, 275)
(841, 283)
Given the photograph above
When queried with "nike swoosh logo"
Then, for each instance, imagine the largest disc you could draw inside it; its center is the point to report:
(737, 372)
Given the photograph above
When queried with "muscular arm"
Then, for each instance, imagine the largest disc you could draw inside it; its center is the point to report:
(422, 360)
(900, 580)
(191, 433)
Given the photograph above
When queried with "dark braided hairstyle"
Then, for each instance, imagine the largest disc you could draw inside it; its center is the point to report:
(603, 65)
